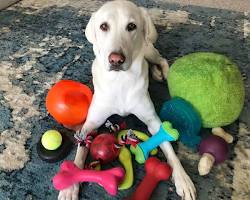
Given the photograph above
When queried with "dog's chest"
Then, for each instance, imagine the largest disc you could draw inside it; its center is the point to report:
(122, 92)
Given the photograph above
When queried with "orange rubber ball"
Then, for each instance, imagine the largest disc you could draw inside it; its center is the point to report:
(68, 102)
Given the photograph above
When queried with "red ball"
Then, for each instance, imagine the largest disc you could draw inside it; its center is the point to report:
(103, 148)
(68, 102)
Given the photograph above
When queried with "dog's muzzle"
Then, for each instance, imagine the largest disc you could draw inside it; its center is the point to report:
(116, 68)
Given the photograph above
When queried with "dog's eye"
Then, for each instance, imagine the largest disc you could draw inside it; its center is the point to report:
(104, 27)
(131, 27)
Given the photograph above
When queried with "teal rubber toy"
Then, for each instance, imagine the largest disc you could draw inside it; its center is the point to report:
(165, 133)
(184, 118)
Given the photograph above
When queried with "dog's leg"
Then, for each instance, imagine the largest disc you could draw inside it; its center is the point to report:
(97, 114)
(72, 192)
(96, 117)
(161, 68)
(184, 186)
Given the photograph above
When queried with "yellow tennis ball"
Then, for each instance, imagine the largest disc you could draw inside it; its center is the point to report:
(51, 140)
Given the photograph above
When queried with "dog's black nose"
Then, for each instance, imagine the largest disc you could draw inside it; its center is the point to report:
(116, 59)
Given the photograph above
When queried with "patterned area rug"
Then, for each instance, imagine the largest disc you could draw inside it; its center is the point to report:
(42, 42)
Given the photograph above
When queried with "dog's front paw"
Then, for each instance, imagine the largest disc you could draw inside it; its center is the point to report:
(160, 72)
(165, 68)
(70, 193)
(157, 73)
(184, 185)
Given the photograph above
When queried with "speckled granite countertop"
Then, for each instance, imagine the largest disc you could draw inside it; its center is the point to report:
(42, 42)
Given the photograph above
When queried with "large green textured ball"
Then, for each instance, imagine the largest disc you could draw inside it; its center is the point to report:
(211, 83)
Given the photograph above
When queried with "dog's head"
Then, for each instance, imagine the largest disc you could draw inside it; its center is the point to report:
(118, 32)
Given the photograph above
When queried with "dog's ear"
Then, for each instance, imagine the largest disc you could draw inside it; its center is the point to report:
(149, 28)
(90, 29)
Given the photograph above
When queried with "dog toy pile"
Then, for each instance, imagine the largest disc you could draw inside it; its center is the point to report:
(211, 87)
(207, 91)
(105, 148)
(68, 102)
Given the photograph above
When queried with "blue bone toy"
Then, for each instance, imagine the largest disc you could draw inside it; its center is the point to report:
(165, 133)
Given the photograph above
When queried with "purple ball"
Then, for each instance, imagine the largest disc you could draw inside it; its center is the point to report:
(215, 146)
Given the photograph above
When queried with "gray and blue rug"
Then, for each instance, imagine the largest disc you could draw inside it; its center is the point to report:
(42, 42)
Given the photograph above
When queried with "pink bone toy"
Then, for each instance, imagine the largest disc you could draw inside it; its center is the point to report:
(70, 174)
(156, 171)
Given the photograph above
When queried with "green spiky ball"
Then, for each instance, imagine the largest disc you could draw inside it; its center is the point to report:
(211, 83)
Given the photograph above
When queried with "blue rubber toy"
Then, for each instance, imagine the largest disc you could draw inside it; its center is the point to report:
(165, 133)
(184, 118)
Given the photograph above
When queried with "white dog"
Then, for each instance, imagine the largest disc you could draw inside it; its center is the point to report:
(122, 35)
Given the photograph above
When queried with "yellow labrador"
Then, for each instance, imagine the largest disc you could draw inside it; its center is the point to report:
(122, 35)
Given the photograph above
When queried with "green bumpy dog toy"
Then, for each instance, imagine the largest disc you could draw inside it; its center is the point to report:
(212, 84)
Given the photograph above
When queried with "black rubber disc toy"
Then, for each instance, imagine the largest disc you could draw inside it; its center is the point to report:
(53, 156)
